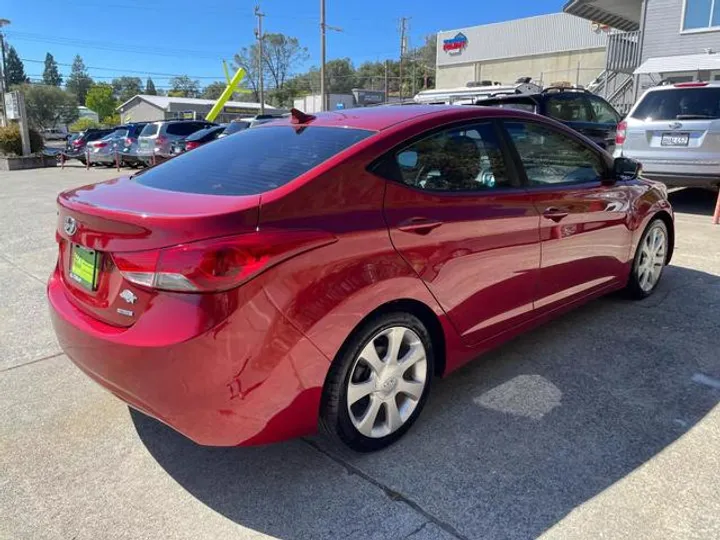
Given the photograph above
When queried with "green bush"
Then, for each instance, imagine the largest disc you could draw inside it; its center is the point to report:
(84, 124)
(11, 142)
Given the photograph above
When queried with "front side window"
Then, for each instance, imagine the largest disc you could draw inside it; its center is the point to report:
(701, 14)
(569, 108)
(603, 111)
(550, 157)
(459, 159)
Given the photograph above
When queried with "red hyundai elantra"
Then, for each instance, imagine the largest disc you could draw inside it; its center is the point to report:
(322, 270)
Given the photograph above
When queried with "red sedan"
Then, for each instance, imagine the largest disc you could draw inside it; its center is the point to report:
(322, 270)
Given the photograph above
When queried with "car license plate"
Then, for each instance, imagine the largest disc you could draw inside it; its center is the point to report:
(675, 139)
(84, 266)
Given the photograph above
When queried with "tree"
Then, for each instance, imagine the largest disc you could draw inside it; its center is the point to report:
(184, 86)
(49, 106)
(83, 124)
(126, 88)
(100, 99)
(150, 88)
(249, 59)
(280, 55)
(51, 75)
(213, 90)
(14, 68)
(79, 82)
(340, 76)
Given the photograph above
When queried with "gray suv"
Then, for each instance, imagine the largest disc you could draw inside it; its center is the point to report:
(674, 132)
(156, 138)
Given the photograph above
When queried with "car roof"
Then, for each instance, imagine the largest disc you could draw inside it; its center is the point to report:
(684, 86)
(385, 116)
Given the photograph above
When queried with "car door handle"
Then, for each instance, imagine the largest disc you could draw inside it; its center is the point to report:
(419, 225)
(555, 214)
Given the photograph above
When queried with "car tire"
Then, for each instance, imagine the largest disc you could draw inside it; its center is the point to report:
(650, 260)
(379, 382)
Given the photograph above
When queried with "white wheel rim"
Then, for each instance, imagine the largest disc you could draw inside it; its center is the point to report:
(386, 382)
(650, 263)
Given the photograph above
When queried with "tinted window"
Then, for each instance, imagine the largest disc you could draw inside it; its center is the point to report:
(679, 104)
(460, 159)
(182, 129)
(519, 105)
(205, 135)
(252, 161)
(603, 111)
(234, 127)
(150, 130)
(135, 129)
(569, 108)
(550, 157)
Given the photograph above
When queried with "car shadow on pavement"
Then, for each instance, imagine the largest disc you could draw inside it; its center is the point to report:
(693, 201)
(506, 447)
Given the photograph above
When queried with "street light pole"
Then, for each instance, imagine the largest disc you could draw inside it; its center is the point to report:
(261, 38)
(323, 30)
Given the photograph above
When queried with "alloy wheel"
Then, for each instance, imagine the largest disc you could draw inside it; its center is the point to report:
(386, 382)
(653, 253)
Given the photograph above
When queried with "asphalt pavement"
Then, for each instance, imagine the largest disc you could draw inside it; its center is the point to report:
(602, 424)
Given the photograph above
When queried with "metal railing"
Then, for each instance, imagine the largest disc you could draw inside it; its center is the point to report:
(623, 51)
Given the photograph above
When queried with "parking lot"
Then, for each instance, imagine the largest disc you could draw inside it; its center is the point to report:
(604, 423)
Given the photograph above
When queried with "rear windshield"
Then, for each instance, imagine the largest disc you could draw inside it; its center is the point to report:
(252, 161)
(234, 127)
(528, 106)
(149, 130)
(680, 104)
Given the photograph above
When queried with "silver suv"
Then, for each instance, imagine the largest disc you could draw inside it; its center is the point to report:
(156, 138)
(674, 132)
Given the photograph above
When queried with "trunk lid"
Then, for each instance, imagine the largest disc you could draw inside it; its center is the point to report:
(99, 221)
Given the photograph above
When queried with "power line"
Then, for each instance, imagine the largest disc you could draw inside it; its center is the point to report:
(139, 72)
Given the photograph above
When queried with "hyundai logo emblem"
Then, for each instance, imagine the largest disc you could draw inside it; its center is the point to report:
(676, 125)
(70, 226)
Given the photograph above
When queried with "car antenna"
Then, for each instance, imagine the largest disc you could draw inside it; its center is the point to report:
(299, 117)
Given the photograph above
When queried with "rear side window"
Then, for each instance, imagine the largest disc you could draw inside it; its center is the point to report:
(603, 111)
(679, 104)
(252, 161)
(569, 108)
(150, 130)
(519, 105)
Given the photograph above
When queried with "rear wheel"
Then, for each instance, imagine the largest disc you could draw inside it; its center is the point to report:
(379, 383)
(650, 260)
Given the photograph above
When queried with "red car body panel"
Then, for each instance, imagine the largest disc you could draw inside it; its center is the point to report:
(248, 365)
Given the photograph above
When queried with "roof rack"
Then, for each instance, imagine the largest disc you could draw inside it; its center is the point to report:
(550, 89)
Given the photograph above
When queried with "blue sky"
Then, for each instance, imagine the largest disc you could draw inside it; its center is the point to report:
(192, 37)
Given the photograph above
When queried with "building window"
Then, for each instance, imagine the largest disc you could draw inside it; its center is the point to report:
(701, 14)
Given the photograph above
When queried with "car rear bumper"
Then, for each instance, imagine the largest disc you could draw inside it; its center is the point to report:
(251, 378)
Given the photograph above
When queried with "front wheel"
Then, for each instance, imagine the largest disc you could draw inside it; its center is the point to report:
(379, 383)
(650, 260)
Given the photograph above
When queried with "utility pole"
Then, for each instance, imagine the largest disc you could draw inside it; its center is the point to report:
(323, 31)
(403, 49)
(3, 76)
(261, 38)
(387, 89)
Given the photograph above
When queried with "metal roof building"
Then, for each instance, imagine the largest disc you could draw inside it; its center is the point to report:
(145, 108)
(548, 48)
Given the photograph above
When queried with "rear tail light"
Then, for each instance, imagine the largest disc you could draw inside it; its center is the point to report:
(690, 84)
(215, 265)
(621, 134)
(100, 144)
(159, 141)
(191, 144)
(77, 142)
(129, 141)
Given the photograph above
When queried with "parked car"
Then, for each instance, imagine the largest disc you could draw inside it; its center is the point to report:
(325, 269)
(234, 127)
(76, 145)
(129, 147)
(579, 109)
(103, 150)
(54, 134)
(156, 138)
(674, 131)
(197, 139)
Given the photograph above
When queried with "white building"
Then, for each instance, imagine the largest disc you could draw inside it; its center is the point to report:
(144, 108)
(549, 48)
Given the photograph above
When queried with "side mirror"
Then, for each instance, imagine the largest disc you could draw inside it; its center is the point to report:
(408, 159)
(626, 168)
